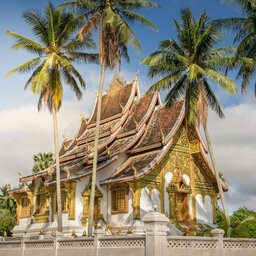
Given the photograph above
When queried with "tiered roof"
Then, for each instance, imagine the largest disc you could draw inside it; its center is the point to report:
(137, 126)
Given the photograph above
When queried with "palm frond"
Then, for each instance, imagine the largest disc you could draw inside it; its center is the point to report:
(133, 16)
(212, 99)
(225, 82)
(25, 67)
(26, 44)
(177, 91)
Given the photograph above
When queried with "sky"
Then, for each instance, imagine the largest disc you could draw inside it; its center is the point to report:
(25, 132)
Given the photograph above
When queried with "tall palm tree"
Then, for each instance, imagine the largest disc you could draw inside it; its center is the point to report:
(6, 201)
(56, 50)
(245, 30)
(111, 18)
(42, 161)
(186, 66)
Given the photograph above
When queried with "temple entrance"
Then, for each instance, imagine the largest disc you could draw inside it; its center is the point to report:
(182, 209)
(86, 204)
(179, 192)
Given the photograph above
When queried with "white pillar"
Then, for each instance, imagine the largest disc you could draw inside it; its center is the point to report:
(219, 233)
(156, 235)
(97, 234)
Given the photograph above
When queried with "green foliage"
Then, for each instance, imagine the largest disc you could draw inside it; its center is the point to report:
(245, 38)
(42, 161)
(6, 201)
(186, 64)
(56, 50)
(243, 222)
(112, 19)
(7, 222)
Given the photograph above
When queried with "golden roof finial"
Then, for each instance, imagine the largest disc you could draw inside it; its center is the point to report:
(136, 123)
(134, 169)
(137, 75)
(122, 107)
(67, 171)
(108, 150)
(162, 134)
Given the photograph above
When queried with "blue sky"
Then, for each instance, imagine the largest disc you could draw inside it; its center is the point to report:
(24, 132)
(11, 19)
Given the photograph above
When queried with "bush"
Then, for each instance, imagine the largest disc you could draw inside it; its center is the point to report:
(243, 222)
(7, 222)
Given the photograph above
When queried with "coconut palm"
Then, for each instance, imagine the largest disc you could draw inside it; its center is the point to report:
(6, 201)
(111, 18)
(186, 67)
(245, 30)
(55, 51)
(42, 161)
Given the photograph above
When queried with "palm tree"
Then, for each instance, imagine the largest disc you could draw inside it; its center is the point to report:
(56, 50)
(246, 39)
(6, 201)
(42, 161)
(111, 18)
(186, 66)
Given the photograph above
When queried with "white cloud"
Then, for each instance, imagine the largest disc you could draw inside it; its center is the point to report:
(24, 132)
(234, 141)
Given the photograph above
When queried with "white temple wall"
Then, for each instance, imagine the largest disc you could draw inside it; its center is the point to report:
(147, 201)
(80, 186)
(203, 210)
(208, 208)
(168, 178)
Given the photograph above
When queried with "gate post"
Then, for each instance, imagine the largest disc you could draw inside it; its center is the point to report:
(156, 236)
(219, 233)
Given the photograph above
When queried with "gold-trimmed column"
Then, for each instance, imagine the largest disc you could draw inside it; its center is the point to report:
(193, 185)
(70, 188)
(136, 193)
(172, 205)
(17, 199)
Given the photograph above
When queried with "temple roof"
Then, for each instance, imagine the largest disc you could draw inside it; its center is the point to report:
(139, 127)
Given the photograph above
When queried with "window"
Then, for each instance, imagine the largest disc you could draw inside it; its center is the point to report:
(120, 200)
(25, 207)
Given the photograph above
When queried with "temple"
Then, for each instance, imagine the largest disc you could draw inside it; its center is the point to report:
(147, 161)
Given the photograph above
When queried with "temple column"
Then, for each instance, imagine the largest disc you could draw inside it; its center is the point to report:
(136, 192)
(17, 199)
(172, 205)
(70, 188)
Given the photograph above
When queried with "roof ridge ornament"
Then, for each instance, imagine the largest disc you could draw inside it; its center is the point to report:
(108, 150)
(136, 123)
(136, 76)
(122, 107)
(134, 169)
(162, 134)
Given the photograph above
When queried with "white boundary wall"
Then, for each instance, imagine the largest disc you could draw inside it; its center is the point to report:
(155, 242)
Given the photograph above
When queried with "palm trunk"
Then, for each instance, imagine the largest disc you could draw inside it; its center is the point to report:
(223, 201)
(95, 155)
(56, 148)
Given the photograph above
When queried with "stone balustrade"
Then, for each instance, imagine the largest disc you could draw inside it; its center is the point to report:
(155, 242)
